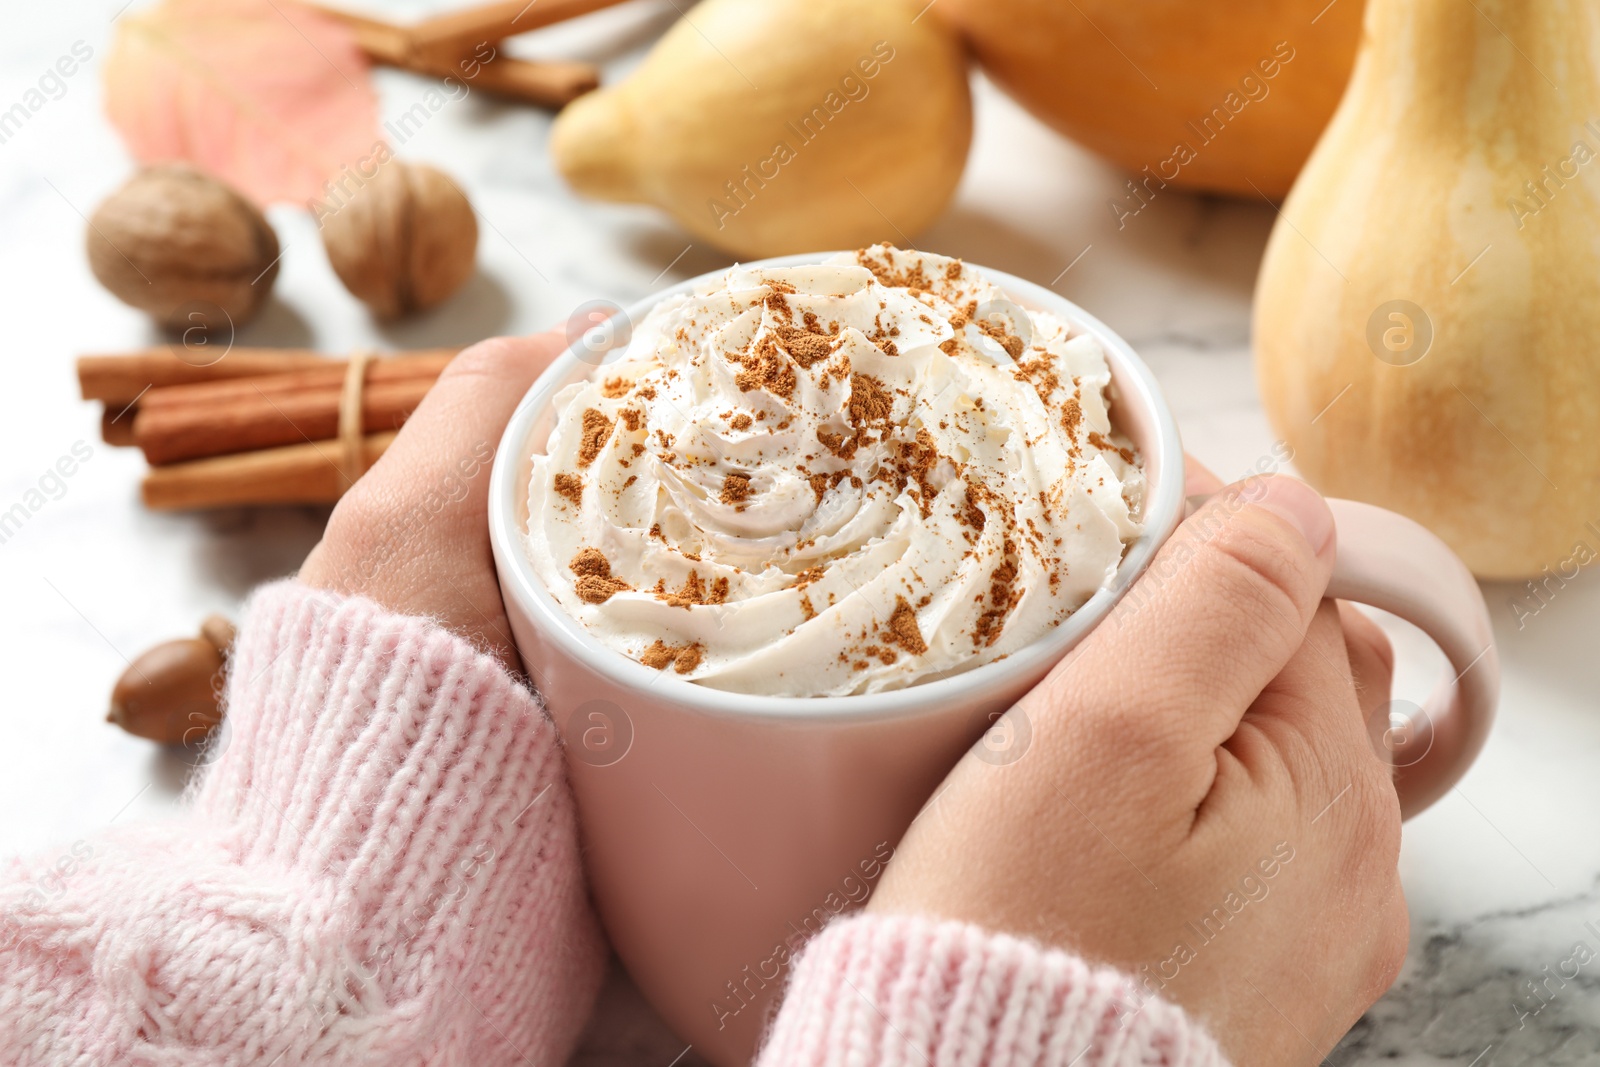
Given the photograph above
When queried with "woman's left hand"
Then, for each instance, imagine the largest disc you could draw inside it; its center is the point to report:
(412, 533)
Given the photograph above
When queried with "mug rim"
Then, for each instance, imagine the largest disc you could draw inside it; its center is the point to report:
(1164, 503)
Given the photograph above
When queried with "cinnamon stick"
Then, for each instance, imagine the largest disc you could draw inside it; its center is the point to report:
(327, 373)
(458, 31)
(546, 83)
(175, 434)
(119, 380)
(116, 427)
(295, 474)
(183, 422)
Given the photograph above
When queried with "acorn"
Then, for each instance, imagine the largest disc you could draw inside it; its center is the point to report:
(171, 693)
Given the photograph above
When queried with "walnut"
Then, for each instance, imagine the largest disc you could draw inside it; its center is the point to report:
(404, 241)
(174, 241)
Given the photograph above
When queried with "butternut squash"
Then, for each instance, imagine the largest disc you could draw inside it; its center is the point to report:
(1427, 321)
(782, 126)
(1227, 97)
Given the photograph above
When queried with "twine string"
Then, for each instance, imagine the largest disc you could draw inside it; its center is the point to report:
(352, 441)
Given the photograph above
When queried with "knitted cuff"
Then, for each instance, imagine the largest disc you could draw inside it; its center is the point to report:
(383, 869)
(379, 751)
(903, 990)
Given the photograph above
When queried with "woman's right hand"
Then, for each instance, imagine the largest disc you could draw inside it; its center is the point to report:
(1199, 805)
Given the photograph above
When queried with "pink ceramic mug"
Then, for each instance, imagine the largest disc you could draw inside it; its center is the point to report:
(721, 829)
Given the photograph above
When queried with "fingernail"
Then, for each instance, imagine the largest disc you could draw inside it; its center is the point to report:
(1300, 506)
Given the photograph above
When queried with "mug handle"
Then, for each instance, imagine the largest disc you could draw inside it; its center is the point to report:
(1389, 562)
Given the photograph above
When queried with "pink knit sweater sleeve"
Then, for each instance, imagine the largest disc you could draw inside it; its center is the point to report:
(903, 991)
(380, 867)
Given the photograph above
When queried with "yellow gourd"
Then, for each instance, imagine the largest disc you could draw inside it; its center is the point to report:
(782, 126)
(1427, 323)
(1228, 97)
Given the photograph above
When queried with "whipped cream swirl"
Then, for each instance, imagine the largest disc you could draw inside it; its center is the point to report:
(834, 479)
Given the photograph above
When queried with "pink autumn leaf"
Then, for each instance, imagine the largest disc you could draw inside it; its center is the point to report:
(267, 95)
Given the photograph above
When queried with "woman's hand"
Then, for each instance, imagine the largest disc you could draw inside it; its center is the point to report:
(412, 533)
(1200, 805)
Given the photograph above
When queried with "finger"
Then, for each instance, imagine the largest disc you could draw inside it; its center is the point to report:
(1315, 693)
(1303, 729)
(1221, 610)
(1371, 659)
(1312, 718)
(1198, 479)
(448, 441)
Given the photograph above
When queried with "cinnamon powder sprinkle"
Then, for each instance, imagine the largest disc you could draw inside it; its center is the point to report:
(631, 418)
(870, 402)
(1042, 373)
(1071, 416)
(916, 464)
(836, 443)
(570, 486)
(591, 562)
(595, 583)
(615, 387)
(735, 489)
(971, 513)
(596, 429)
(804, 346)
(821, 483)
(765, 368)
(1098, 440)
(593, 590)
(807, 576)
(915, 278)
(694, 592)
(775, 300)
(903, 629)
(740, 421)
(1003, 337)
(1002, 598)
(681, 658)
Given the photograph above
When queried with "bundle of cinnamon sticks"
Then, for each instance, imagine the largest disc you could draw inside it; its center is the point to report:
(463, 45)
(259, 426)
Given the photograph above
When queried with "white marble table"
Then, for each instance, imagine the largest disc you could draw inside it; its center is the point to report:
(1503, 876)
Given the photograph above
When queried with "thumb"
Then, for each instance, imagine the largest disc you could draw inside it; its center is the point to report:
(1219, 613)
